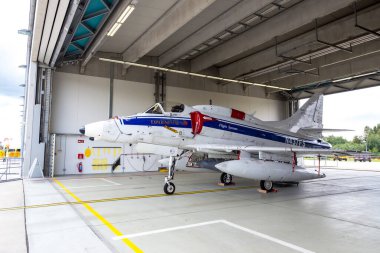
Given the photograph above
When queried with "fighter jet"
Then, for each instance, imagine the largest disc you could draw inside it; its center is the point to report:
(251, 148)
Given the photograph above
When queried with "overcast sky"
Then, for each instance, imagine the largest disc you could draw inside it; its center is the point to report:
(12, 54)
(352, 110)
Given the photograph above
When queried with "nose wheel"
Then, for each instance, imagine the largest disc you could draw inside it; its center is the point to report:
(169, 188)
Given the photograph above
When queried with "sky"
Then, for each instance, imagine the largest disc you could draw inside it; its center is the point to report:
(15, 16)
(352, 110)
(349, 110)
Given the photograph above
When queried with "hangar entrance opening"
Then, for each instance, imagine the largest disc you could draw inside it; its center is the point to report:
(91, 60)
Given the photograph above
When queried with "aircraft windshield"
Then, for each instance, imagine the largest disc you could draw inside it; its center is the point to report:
(155, 109)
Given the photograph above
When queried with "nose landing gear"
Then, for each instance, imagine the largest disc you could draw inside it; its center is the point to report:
(169, 187)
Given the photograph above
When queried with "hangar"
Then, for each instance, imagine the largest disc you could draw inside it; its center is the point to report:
(89, 60)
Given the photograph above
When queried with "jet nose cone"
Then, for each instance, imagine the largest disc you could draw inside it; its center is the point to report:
(82, 130)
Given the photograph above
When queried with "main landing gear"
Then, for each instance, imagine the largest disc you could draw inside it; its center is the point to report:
(266, 185)
(169, 187)
(226, 178)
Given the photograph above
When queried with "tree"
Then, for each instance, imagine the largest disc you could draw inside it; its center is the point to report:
(335, 140)
(372, 137)
(357, 139)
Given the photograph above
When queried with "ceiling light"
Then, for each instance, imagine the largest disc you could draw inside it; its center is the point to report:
(353, 77)
(121, 20)
(191, 73)
(114, 29)
(126, 13)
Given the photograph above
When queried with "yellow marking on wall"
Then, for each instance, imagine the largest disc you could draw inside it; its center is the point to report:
(99, 164)
(108, 224)
(87, 152)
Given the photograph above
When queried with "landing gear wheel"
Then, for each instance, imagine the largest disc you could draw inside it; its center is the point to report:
(169, 188)
(226, 178)
(266, 185)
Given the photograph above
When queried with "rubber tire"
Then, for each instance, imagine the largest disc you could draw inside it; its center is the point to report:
(169, 188)
(266, 185)
(224, 178)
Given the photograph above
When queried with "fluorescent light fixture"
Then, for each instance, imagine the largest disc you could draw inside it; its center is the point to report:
(126, 13)
(191, 73)
(121, 20)
(353, 77)
(114, 29)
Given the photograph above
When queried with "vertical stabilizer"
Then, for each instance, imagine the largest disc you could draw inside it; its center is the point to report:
(308, 116)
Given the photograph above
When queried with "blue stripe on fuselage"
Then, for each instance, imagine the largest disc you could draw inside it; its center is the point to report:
(229, 126)
(263, 134)
(158, 121)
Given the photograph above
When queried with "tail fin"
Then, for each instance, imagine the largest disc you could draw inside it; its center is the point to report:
(308, 116)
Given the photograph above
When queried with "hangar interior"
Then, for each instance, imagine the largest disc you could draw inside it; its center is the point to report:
(89, 60)
(289, 48)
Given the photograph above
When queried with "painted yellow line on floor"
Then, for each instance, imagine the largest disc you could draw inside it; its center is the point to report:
(160, 195)
(108, 224)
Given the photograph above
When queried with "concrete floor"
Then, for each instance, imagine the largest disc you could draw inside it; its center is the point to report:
(340, 213)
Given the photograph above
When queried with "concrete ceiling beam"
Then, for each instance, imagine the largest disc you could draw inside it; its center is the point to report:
(364, 58)
(303, 13)
(238, 12)
(39, 18)
(174, 19)
(302, 44)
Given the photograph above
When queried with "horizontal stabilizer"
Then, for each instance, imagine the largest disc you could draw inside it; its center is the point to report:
(322, 130)
(317, 132)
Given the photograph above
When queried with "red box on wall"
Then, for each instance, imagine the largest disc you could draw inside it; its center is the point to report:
(80, 156)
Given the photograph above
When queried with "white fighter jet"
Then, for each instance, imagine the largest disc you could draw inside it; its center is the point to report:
(251, 148)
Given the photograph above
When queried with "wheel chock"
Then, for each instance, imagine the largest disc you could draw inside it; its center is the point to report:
(265, 191)
(223, 184)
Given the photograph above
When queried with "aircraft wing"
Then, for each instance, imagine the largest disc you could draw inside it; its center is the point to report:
(255, 149)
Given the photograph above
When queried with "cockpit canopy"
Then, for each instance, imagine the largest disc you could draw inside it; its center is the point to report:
(155, 109)
(158, 109)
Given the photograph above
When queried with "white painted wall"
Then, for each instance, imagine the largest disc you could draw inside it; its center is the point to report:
(79, 99)
(131, 97)
(265, 109)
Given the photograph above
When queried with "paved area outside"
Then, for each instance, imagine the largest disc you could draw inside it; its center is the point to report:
(129, 213)
(12, 224)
